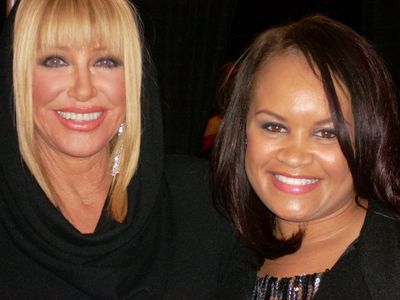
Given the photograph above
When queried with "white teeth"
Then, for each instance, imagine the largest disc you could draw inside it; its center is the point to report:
(77, 117)
(295, 181)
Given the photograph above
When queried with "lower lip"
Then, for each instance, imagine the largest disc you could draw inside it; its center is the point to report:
(83, 125)
(294, 189)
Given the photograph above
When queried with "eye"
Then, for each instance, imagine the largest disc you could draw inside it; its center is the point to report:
(107, 62)
(327, 133)
(274, 127)
(53, 62)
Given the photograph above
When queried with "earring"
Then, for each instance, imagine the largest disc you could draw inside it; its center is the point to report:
(121, 129)
(117, 157)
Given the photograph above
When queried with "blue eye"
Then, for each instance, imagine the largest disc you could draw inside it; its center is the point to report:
(328, 133)
(53, 62)
(274, 127)
(107, 62)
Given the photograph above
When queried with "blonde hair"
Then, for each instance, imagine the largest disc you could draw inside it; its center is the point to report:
(43, 24)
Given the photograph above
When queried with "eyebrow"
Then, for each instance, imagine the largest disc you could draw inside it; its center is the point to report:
(324, 121)
(63, 48)
(66, 48)
(272, 114)
(100, 49)
(283, 119)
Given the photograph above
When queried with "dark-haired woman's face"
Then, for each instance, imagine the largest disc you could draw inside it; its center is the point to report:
(293, 158)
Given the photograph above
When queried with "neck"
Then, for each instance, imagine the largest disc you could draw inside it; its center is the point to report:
(323, 243)
(80, 185)
(326, 228)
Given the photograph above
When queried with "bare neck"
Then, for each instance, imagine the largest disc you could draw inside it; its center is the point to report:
(323, 244)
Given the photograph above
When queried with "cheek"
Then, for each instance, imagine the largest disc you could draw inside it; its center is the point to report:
(114, 87)
(252, 154)
(259, 153)
(121, 95)
(45, 88)
(259, 149)
(334, 163)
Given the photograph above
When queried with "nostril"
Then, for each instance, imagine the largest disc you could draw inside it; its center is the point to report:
(82, 90)
(294, 156)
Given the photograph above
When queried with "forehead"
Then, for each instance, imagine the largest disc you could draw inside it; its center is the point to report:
(79, 27)
(287, 82)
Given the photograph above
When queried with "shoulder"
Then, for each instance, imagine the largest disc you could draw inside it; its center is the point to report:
(379, 252)
(381, 225)
(188, 181)
(380, 237)
(239, 274)
(202, 238)
(185, 168)
(370, 270)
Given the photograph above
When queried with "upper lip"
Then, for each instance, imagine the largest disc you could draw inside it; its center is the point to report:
(82, 110)
(298, 176)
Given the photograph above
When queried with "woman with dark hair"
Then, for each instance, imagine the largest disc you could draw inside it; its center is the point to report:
(307, 167)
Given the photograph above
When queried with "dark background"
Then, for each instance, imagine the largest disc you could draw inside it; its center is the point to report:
(2, 13)
(252, 17)
(189, 41)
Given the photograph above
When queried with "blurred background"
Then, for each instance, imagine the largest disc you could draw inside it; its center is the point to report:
(190, 41)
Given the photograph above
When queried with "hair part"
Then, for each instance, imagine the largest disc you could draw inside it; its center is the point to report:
(335, 53)
(48, 24)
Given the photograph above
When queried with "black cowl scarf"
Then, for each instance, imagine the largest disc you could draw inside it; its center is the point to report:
(117, 261)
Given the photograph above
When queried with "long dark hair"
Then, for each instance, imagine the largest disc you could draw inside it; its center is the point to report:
(334, 52)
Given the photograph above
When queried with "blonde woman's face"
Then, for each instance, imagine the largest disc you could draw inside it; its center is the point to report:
(78, 100)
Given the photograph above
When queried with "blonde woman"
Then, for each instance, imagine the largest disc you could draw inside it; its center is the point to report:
(90, 208)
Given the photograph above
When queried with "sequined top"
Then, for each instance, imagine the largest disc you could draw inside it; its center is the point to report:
(302, 287)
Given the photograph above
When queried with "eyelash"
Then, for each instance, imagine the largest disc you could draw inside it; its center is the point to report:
(58, 62)
(277, 128)
(322, 133)
(53, 62)
(274, 127)
(114, 62)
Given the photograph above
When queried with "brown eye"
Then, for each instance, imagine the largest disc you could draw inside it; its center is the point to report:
(326, 133)
(274, 127)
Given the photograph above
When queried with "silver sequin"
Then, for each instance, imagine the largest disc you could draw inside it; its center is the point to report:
(302, 287)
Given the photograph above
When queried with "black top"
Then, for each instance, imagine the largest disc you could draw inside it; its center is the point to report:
(171, 246)
(369, 271)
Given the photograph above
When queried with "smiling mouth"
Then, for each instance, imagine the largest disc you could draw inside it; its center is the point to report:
(295, 181)
(80, 117)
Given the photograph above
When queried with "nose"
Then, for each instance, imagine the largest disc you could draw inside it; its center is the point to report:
(82, 88)
(295, 152)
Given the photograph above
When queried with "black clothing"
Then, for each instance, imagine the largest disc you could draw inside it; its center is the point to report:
(176, 252)
(370, 271)
(171, 246)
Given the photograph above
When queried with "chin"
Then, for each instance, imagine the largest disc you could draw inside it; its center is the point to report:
(294, 216)
(83, 151)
